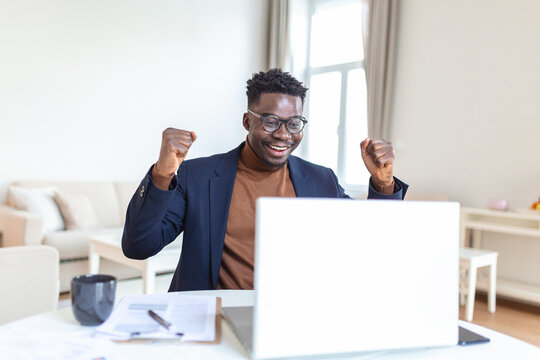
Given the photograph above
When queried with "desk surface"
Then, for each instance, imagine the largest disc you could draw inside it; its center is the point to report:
(62, 324)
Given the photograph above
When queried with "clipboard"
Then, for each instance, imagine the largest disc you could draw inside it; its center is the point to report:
(217, 339)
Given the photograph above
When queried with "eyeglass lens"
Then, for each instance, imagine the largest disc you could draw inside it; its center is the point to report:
(271, 123)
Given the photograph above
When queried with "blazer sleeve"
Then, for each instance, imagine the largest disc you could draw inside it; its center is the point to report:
(154, 217)
(400, 189)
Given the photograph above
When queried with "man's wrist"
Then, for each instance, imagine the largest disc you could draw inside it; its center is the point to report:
(382, 188)
(161, 181)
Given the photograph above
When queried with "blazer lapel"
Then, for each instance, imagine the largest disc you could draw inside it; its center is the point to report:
(300, 179)
(220, 191)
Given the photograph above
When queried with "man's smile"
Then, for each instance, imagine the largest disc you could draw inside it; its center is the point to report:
(279, 148)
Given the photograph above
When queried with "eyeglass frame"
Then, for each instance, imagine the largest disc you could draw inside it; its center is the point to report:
(286, 121)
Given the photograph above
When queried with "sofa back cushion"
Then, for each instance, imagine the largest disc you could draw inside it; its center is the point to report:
(77, 211)
(102, 196)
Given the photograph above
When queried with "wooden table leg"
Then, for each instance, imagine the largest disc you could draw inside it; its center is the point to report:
(149, 278)
(93, 260)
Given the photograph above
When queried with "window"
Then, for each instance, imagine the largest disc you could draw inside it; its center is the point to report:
(337, 100)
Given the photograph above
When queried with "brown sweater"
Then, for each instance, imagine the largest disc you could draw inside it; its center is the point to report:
(253, 180)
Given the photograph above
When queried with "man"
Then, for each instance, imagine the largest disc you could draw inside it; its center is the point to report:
(212, 200)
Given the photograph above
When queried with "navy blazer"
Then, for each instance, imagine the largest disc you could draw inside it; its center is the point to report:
(197, 203)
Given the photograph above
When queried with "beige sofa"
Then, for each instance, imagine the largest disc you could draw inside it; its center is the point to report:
(96, 207)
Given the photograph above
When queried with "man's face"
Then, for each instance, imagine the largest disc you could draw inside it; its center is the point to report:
(273, 148)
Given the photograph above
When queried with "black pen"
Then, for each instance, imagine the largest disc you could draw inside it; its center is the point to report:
(159, 319)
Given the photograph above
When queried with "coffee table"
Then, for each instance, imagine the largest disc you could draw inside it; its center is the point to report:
(109, 246)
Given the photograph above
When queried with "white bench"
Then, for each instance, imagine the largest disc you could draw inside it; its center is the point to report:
(469, 261)
(110, 247)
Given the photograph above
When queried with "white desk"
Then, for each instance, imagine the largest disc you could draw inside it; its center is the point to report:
(62, 324)
(522, 223)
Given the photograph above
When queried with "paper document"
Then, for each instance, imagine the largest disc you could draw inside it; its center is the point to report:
(193, 318)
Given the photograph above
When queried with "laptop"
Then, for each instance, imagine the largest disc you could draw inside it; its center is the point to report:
(338, 276)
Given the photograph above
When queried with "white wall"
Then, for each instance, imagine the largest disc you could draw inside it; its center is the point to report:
(467, 109)
(87, 87)
(467, 99)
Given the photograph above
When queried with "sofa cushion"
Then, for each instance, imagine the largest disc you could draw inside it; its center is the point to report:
(77, 211)
(73, 244)
(39, 201)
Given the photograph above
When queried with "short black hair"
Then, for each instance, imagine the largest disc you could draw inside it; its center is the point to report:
(274, 81)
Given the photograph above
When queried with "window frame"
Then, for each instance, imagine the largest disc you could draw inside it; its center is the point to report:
(355, 190)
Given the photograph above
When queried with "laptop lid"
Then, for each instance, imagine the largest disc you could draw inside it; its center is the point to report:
(344, 276)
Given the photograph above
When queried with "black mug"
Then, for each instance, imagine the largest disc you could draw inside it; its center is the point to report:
(92, 298)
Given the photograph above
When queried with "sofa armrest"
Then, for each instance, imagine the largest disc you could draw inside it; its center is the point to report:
(20, 227)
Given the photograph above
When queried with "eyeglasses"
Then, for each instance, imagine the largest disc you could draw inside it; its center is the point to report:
(271, 122)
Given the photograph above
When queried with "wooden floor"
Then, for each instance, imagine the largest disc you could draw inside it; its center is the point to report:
(519, 320)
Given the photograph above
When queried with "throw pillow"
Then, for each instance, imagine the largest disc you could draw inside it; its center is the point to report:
(77, 210)
(39, 201)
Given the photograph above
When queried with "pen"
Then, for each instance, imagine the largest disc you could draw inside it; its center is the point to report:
(159, 319)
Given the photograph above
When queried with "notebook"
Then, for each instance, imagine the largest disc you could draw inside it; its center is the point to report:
(338, 276)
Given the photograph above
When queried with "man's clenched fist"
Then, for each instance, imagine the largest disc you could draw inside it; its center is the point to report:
(175, 144)
(378, 155)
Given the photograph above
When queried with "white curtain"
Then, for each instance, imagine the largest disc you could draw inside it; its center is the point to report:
(278, 32)
(380, 21)
(288, 36)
